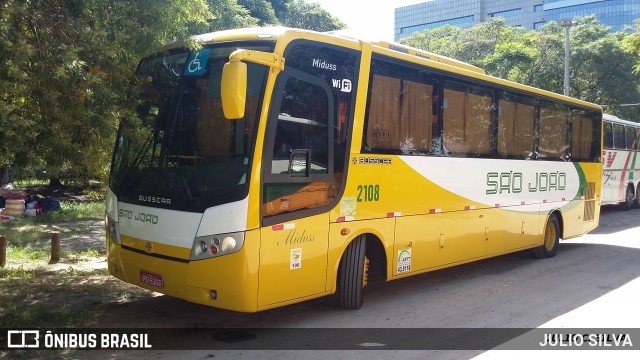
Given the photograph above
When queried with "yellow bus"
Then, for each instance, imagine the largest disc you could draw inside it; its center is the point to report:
(272, 166)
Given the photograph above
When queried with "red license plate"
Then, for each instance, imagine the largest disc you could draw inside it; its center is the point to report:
(151, 279)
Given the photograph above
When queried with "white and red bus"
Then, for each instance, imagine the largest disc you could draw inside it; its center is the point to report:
(621, 166)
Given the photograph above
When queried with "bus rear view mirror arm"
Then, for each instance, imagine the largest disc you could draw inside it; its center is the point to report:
(234, 79)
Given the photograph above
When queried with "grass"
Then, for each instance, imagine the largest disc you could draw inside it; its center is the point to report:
(74, 294)
(28, 237)
(71, 210)
(38, 297)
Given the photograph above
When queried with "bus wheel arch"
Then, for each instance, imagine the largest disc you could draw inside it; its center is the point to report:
(553, 232)
(363, 256)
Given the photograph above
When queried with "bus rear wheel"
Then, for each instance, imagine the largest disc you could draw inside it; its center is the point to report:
(549, 247)
(636, 202)
(352, 274)
(628, 199)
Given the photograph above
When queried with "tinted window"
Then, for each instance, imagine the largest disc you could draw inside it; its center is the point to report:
(618, 137)
(608, 135)
(306, 146)
(516, 121)
(467, 120)
(400, 113)
(585, 136)
(630, 137)
(552, 144)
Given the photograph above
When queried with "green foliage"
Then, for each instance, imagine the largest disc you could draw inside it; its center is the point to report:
(280, 8)
(261, 10)
(66, 70)
(601, 63)
(631, 44)
(310, 16)
(72, 211)
(227, 14)
(66, 67)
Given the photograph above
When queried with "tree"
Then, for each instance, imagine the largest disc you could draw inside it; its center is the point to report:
(261, 10)
(227, 14)
(468, 45)
(280, 8)
(602, 71)
(18, 122)
(303, 15)
(68, 67)
(632, 44)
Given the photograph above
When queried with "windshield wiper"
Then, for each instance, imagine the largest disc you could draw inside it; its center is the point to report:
(136, 162)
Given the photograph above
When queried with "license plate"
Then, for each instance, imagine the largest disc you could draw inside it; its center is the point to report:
(151, 279)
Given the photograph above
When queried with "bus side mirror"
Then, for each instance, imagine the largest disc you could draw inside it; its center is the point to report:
(234, 89)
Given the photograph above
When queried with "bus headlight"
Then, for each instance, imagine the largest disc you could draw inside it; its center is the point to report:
(228, 244)
(206, 247)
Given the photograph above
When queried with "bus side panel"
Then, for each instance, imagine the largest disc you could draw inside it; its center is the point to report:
(440, 239)
(293, 260)
(425, 241)
(616, 174)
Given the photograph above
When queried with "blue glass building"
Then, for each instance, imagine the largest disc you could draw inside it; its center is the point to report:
(530, 14)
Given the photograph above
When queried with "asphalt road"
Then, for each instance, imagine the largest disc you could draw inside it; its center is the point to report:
(593, 282)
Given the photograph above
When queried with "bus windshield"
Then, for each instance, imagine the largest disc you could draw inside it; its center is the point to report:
(180, 145)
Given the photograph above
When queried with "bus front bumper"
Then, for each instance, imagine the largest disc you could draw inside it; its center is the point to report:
(227, 282)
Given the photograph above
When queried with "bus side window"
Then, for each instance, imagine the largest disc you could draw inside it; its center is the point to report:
(516, 120)
(553, 143)
(584, 136)
(630, 137)
(608, 135)
(301, 129)
(618, 137)
(467, 120)
(400, 110)
(302, 124)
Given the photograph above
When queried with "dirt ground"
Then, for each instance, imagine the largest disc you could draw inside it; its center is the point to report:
(75, 237)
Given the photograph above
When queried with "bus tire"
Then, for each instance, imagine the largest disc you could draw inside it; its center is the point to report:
(636, 202)
(351, 275)
(549, 247)
(628, 199)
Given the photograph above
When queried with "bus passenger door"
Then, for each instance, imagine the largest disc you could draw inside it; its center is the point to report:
(293, 259)
(298, 184)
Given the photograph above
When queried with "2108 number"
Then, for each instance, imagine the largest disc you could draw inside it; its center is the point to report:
(368, 193)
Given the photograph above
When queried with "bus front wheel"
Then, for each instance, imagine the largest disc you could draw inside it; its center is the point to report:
(352, 274)
(549, 247)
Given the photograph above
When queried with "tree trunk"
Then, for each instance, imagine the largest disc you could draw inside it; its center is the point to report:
(5, 176)
(55, 183)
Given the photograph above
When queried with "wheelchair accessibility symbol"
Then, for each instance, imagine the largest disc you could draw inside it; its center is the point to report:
(197, 62)
(194, 65)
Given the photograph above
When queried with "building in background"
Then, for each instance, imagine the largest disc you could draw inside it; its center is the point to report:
(530, 14)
